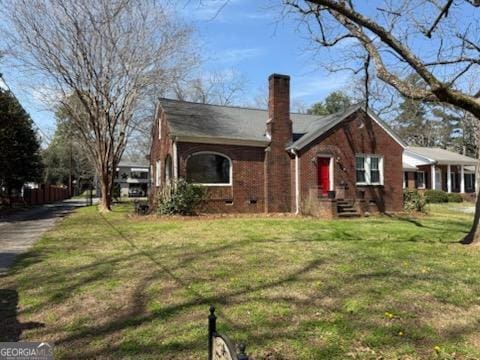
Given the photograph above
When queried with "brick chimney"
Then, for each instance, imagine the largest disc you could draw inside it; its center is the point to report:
(277, 159)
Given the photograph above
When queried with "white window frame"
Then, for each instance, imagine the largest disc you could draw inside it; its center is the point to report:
(212, 153)
(158, 173)
(367, 168)
(424, 180)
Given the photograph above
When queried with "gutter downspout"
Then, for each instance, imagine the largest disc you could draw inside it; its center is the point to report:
(297, 182)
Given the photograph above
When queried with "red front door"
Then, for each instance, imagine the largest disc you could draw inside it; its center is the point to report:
(323, 174)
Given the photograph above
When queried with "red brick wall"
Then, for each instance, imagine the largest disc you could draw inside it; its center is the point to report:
(159, 150)
(428, 176)
(277, 160)
(246, 193)
(411, 180)
(358, 134)
(257, 172)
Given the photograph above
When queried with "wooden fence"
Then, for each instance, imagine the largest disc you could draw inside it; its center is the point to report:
(45, 194)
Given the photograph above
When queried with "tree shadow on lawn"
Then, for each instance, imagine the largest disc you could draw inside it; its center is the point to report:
(448, 224)
(10, 328)
(137, 314)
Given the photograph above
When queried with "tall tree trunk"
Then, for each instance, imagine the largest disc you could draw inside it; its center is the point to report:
(473, 236)
(106, 192)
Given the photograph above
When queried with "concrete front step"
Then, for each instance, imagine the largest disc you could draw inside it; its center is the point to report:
(346, 209)
(345, 202)
(348, 214)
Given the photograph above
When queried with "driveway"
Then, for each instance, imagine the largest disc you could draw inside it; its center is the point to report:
(20, 230)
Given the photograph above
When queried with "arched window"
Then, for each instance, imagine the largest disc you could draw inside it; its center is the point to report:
(209, 168)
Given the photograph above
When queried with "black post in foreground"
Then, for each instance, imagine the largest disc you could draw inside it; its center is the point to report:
(212, 330)
(219, 346)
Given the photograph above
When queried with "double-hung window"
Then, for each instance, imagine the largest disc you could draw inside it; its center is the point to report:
(369, 169)
(361, 175)
(420, 179)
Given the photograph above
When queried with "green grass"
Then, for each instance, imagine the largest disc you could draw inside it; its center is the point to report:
(290, 288)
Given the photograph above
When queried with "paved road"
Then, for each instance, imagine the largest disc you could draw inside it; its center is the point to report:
(19, 231)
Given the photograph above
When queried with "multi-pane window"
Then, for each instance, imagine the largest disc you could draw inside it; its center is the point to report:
(369, 169)
(209, 168)
(374, 170)
(360, 165)
(420, 179)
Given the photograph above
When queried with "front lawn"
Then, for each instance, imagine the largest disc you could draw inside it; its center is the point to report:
(290, 288)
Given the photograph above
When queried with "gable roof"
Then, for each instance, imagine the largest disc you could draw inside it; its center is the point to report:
(328, 122)
(190, 121)
(441, 156)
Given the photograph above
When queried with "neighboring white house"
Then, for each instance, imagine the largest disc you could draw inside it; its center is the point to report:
(133, 179)
(438, 169)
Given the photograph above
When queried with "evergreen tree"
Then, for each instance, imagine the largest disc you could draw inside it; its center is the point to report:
(458, 131)
(337, 101)
(64, 159)
(414, 121)
(20, 160)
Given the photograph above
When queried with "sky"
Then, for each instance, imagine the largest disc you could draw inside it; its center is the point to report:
(250, 37)
(246, 36)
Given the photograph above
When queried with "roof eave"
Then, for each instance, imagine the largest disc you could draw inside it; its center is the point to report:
(220, 140)
(428, 161)
(308, 138)
(456, 162)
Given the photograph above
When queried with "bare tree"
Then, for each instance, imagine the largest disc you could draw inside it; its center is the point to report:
(107, 55)
(438, 40)
(260, 99)
(225, 87)
(381, 98)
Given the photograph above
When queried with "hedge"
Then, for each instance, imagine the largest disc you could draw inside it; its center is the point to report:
(436, 196)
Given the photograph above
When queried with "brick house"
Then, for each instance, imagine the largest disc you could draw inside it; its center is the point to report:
(272, 160)
(438, 169)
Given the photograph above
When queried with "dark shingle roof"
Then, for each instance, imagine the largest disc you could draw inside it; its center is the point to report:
(187, 119)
